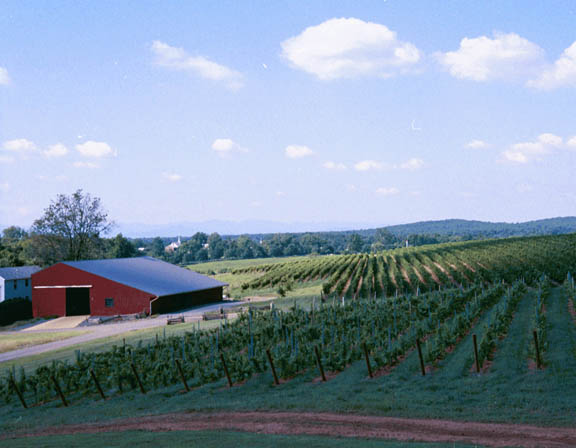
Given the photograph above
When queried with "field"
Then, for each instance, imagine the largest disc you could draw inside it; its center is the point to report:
(220, 267)
(362, 348)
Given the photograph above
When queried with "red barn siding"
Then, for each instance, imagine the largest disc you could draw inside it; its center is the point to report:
(52, 301)
(48, 302)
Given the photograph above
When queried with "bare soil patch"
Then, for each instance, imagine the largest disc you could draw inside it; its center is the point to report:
(419, 275)
(446, 273)
(342, 425)
(432, 274)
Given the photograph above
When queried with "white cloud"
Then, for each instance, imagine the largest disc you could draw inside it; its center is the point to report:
(226, 146)
(387, 191)
(571, 143)
(348, 48)
(281, 194)
(484, 59)
(57, 150)
(256, 204)
(525, 152)
(95, 150)
(561, 74)
(4, 78)
(476, 144)
(20, 145)
(297, 151)
(172, 177)
(59, 178)
(6, 159)
(335, 166)
(178, 59)
(5, 187)
(550, 140)
(367, 165)
(351, 187)
(90, 165)
(413, 164)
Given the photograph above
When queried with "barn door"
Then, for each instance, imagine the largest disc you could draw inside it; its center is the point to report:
(77, 301)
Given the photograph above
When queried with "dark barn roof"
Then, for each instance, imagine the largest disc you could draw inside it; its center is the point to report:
(148, 274)
(18, 273)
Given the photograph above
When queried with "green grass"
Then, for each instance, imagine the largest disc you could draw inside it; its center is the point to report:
(235, 282)
(10, 342)
(209, 439)
(29, 363)
(220, 267)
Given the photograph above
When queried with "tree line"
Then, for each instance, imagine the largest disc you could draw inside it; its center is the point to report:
(75, 227)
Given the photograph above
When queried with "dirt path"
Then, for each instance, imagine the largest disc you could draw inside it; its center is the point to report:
(489, 434)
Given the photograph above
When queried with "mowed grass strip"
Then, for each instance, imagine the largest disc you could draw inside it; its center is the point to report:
(209, 439)
(9, 342)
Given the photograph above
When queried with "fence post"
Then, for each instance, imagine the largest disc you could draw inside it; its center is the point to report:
(422, 368)
(272, 367)
(476, 353)
(137, 378)
(20, 396)
(182, 377)
(57, 386)
(367, 356)
(538, 360)
(100, 391)
(319, 360)
(226, 370)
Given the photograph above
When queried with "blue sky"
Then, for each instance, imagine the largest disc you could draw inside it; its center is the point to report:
(376, 112)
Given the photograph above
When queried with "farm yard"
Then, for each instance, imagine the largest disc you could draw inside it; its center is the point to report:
(482, 331)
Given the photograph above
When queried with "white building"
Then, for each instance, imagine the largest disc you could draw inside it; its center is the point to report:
(15, 282)
(172, 247)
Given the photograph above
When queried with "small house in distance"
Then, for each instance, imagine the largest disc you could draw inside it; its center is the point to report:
(15, 282)
(119, 286)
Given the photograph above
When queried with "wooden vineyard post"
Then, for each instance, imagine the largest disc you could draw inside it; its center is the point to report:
(319, 360)
(538, 361)
(137, 378)
(367, 356)
(422, 368)
(20, 396)
(100, 391)
(182, 377)
(226, 370)
(271, 361)
(57, 386)
(476, 353)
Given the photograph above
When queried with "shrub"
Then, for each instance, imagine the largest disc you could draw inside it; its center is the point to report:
(15, 309)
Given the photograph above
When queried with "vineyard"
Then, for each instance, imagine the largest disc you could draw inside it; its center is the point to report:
(414, 270)
(383, 310)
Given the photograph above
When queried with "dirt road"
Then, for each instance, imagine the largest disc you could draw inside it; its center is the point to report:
(339, 425)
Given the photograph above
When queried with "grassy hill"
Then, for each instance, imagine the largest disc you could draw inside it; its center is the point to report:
(418, 342)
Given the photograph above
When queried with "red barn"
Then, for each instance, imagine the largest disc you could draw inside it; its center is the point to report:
(119, 286)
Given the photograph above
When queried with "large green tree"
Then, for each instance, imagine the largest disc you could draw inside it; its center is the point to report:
(71, 228)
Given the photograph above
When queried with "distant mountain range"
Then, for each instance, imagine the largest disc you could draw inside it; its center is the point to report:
(441, 227)
(501, 229)
(135, 230)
